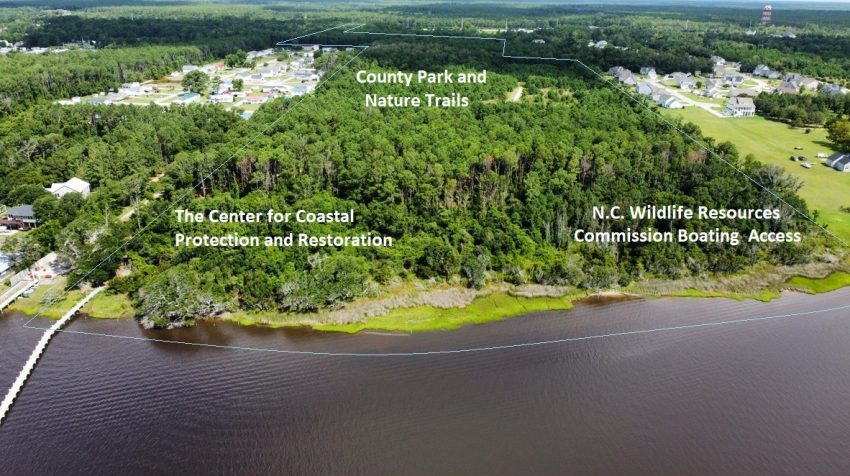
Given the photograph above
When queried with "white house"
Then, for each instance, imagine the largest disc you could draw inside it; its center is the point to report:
(221, 98)
(741, 107)
(650, 72)
(670, 102)
(75, 185)
(839, 161)
(686, 83)
(810, 83)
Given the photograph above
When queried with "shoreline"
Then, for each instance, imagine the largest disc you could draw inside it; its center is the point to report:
(416, 307)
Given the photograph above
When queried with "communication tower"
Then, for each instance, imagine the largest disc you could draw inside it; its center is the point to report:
(766, 14)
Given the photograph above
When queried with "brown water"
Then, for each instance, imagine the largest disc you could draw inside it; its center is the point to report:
(761, 397)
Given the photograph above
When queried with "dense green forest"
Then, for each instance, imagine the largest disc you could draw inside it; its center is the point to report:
(475, 195)
(804, 109)
(490, 192)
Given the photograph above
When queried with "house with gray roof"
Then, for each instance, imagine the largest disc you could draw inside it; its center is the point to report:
(20, 218)
(740, 106)
(839, 161)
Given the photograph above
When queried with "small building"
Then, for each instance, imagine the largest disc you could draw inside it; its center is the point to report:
(188, 68)
(74, 185)
(740, 106)
(538, 41)
(19, 218)
(187, 98)
(839, 161)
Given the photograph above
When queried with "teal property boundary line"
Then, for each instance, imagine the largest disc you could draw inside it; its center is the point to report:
(355, 29)
(363, 48)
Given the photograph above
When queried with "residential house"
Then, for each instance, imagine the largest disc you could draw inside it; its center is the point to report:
(839, 161)
(616, 70)
(538, 41)
(686, 83)
(645, 89)
(626, 77)
(19, 218)
(833, 89)
(733, 78)
(787, 87)
(74, 185)
(221, 98)
(765, 72)
(810, 84)
(713, 89)
(669, 102)
(188, 68)
(741, 107)
(650, 72)
(256, 99)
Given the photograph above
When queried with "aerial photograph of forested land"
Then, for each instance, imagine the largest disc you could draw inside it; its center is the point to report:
(212, 210)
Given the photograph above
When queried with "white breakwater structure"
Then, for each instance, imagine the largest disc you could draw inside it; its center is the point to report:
(36, 354)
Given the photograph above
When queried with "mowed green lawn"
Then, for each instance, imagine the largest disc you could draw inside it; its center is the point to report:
(824, 189)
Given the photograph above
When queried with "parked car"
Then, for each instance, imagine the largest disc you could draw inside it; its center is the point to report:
(806, 165)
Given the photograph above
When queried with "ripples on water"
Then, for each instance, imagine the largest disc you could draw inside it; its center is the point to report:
(752, 398)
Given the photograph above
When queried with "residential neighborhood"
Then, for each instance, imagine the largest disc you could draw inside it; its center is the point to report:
(727, 92)
(237, 88)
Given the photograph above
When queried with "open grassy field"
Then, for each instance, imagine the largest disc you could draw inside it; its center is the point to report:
(824, 189)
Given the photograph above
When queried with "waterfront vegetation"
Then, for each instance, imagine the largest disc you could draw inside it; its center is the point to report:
(826, 284)
(497, 306)
(473, 197)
